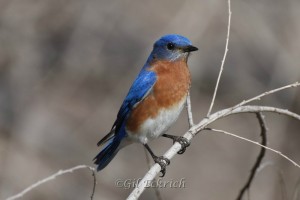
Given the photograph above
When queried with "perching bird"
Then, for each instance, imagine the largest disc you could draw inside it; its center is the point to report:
(154, 101)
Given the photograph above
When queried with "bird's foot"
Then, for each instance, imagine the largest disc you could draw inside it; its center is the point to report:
(183, 142)
(163, 162)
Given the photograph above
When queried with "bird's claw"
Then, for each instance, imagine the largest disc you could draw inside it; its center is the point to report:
(184, 143)
(163, 162)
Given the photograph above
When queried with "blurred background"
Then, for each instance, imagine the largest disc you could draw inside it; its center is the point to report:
(65, 67)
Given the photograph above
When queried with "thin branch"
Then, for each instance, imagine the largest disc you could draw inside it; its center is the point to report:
(156, 189)
(242, 109)
(155, 169)
(239, 106)
(258, 97)
(260, 156)
(223, 60)
(257, 143)
(189, 110)
(59, 173)
(94, 182)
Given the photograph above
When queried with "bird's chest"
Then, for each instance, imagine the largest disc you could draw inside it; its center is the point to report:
(161, 108)
(173, 83)
(153, 127)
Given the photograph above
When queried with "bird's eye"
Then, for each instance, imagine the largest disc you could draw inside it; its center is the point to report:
(170, 46)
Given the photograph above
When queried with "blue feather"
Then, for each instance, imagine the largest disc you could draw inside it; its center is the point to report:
(107, 154)
(139, 89)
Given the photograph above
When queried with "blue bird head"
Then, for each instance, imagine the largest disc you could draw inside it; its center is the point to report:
(172, 48)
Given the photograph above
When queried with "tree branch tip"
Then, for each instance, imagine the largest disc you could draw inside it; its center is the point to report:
(54, 176)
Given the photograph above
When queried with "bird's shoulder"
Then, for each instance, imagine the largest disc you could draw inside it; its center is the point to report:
(139, 89)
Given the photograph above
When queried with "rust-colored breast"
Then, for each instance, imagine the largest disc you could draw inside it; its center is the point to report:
(172, 85)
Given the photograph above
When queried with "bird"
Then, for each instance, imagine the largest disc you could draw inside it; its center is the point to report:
(153, 103)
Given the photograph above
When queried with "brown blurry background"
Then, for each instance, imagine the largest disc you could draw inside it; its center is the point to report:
(65, 67)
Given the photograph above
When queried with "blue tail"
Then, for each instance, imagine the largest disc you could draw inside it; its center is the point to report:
(107, 154)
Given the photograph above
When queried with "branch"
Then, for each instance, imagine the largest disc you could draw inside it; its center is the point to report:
(242, 109)
(189, 110)
(258, 97)
(261, 154)
(257, 143)
(156, 189)
(223, 60)
(59, 173)
(155, 169)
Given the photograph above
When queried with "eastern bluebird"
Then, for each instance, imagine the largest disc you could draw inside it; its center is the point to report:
(154, 101)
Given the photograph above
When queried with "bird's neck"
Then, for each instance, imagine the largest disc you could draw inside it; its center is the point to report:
(153, 61)
(154, 57)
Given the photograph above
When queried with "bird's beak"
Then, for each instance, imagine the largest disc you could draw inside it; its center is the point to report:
(189, 48)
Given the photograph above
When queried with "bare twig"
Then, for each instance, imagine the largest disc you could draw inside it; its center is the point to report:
(94, 182)
(258, 97)
(223, 60)
(189, 110)
(155, 169)
(237, 108)
(257, 143)
(156, 189)
(242, 109)
(59, 173)
(260, 156)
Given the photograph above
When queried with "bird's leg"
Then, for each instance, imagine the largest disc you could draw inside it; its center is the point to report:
(181, 140)
(162, 161)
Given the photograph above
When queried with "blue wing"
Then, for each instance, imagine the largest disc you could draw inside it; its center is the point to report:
(140, 88)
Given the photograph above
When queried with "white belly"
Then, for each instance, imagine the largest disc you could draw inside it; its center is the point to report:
(155, 127)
